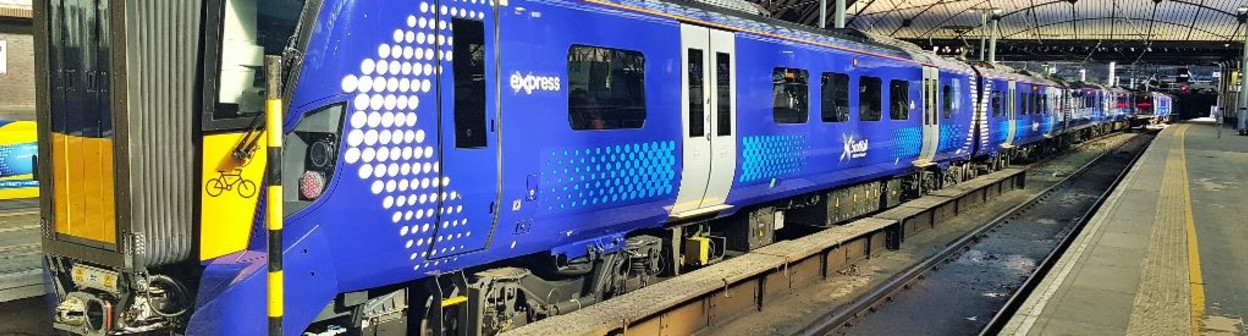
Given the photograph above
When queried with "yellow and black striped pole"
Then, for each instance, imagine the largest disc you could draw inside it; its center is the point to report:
(273, 212)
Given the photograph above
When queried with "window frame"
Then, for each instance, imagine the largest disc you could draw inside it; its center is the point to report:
(864, 83)
(995, 101)
(827, 87)
(804, 113)
(947, 103)
(1041, 102)
(723, 94)
(464, 139)
(892, 99)
(644, 99)
(697, 128)
(210, 70)
(1024, 102)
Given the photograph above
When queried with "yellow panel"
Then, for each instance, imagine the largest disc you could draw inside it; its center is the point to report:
(229, 193)
(109, 204)
(20, 138)
(74, 160)
(697, 251)
(60, 176)
(91, 188)
(82, 174)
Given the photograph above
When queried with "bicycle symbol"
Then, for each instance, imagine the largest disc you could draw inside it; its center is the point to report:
(227, 181)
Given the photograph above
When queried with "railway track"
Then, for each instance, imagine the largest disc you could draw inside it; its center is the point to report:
(21, 275)
(974, 284)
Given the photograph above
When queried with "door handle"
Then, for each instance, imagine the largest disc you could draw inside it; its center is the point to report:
(706, 119)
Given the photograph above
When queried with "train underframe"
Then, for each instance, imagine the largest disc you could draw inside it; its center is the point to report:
(511, 293)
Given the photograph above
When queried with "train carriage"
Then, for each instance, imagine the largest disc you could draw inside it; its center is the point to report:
(472, 165)
(1150, 108)
(1088, 110)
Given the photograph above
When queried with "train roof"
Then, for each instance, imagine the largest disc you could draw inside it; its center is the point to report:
(729, 15)
(1087, 85)
(1002, 71)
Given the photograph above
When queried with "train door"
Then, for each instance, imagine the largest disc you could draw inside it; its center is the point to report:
(980, 89)
(931, 120)
(466, 186)
(708, 114)
(1011, 107)
(1051, 103)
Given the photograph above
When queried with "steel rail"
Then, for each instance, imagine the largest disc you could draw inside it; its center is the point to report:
(1003, 315)
(895, 284)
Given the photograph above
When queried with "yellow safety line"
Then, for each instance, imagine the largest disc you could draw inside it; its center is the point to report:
(1196, 280)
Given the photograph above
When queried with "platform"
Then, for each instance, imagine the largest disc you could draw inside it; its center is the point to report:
(1164, 255)
(20, 273)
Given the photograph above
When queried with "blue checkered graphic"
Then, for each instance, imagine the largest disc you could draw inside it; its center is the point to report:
(586, 177)
(1001, 132)
(1022, 128)
(770, 156)
(909, 141)
(951, 137)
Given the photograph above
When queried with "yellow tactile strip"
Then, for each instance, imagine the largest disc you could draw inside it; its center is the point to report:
(1164, 303)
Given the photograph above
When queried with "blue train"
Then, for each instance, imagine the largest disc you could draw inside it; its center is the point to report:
(1152, 108)
(468, 166)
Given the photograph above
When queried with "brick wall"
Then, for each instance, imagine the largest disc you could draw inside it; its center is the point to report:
(17, 86)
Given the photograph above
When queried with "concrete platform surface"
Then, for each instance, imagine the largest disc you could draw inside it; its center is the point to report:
(21, 274)
(1167, 254)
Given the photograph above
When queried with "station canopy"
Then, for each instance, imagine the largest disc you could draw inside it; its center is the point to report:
(1184, 25)
(1157, 20)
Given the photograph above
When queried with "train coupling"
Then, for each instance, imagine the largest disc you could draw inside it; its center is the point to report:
(101, 306)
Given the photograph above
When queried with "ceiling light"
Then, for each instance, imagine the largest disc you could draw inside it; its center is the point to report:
(1242, 9)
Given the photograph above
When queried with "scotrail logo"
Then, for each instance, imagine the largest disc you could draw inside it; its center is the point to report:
(529, 83)
(854, 148)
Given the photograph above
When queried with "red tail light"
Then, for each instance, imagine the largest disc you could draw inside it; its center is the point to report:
(311, 185)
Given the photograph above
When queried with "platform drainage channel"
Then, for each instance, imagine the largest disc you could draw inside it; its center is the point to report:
(960, 290)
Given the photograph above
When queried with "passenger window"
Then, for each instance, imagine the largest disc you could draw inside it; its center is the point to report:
(697, 94)
(946, 95)
(996, 103)
(1041, 103)
(606, 88)
(834, 97)
(469, 67)
(1023, 101)
(723, 88)
(870, 99)
(790, 95)
(1035, 100)
(899, 98)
